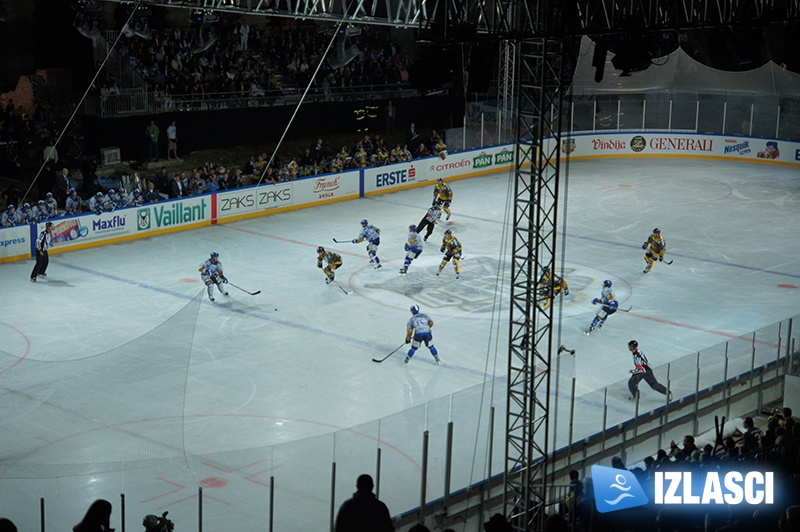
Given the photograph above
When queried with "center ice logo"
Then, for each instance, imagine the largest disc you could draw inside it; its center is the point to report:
(616, 489)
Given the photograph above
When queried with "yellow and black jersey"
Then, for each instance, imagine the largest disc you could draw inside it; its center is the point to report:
(657, 245)
(451, 245)
(330, 257)
(443, 191)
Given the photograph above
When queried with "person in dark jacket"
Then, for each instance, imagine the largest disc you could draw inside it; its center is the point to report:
(363, 512)
(97, 518)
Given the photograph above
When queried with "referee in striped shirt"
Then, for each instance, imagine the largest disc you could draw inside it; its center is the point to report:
(42, 259)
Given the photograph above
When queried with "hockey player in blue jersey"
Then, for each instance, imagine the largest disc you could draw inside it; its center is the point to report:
(413, 247)
(609, 306)
(418, 330)
(372, 235)
(211, 274)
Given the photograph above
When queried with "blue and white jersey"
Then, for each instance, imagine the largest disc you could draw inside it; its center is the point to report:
(211, 268)
(419, 324)
(52, 206)
(74, 204)
(39, 213)
(370, 233)
(135, 199)
(25, 216)
(96, 202)
(9, 218)
(607, 295)
(414, 241)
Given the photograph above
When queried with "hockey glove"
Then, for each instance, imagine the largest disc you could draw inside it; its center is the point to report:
(660, 259)
(644, 246)
(355, 241)
(319, 265)
(441, 249)
(408, 340)
(566, 291)
(407, 247)
(224, 279)
(595, 301)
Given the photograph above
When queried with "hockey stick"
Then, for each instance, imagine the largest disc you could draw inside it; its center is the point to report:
(342, 241)
(625, 309)
(245, 291)
(379, 360)
(667, 262)
(340, 287)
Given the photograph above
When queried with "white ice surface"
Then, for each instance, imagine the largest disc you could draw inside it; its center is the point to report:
(267, 389)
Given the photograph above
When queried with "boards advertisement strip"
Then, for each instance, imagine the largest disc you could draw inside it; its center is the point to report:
(428, 170)
(678, 144)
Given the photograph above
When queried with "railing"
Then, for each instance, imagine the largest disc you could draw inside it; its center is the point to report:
(458, 465)
(136, 102)
(751, 115)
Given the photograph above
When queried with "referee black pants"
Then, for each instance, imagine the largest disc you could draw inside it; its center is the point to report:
(42, 260)
(650, 378)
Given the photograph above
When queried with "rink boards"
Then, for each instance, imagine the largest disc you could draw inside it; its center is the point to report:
(88, 230)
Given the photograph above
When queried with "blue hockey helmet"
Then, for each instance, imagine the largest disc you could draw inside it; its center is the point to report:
(214, 255)
(364, 222)
(414, 309)
(48, 195)
(26, 206)
(112, 191)
(41, 202)
(98, 195)
(412, 227)
(136, 192)
(10, 208)
(607, 283)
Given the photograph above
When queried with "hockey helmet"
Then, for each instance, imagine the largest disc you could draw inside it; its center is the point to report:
(10, 208)
(214, 255)
(136, 192)
(72, 191)
(48, 195)
(633, 344)
(414, 309)
(98, 195)
(412, 227)
(112, 192)
(364, 222)
(448, 233)
(607, 284)
(26, 206)
(41, 202)
(656, 231)
(320, 249)
(48, 225)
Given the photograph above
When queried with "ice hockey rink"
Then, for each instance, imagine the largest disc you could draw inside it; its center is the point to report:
(118, 375)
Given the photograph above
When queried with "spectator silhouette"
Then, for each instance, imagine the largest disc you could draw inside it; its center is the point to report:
(97, 518)
(363, 512)
(6, 525)
(497, 523)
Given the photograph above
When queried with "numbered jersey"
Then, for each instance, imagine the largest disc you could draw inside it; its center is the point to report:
(330, 257)
(657, 245)
(419, 323)
(452, 246)
(414, 241)
(444, 192)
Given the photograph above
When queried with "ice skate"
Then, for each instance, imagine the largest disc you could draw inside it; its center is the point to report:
(210, 298)
(403, 270)
(378, 267)
(405, 362)
(589, 331)
(42, 275)
(438, 272)
(328, 280)
(458, 276)
(33, 279)
(436, 358)
(447, 217)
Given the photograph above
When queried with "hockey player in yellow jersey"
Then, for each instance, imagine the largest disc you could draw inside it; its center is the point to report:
(451, 248)
(334, 260)
(442, 196)
(655, 247)
(552, 285)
